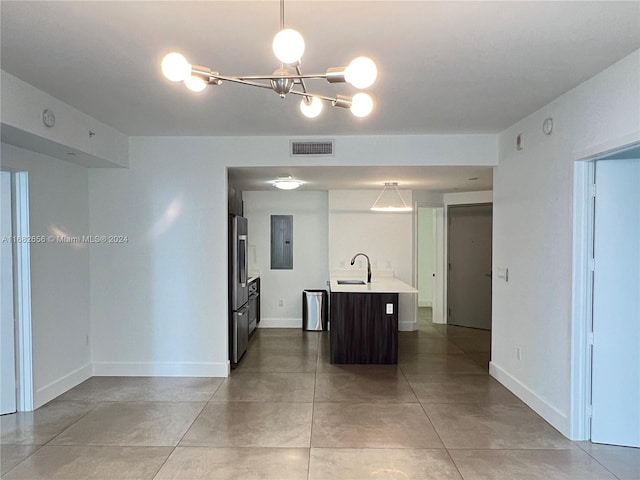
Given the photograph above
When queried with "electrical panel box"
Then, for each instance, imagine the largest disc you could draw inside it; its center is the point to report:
(281, 242)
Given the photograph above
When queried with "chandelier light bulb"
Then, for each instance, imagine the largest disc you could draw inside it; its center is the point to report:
(361, 72)
(311, 109)
(195, 84)
(175, 67)
(361, 104)
(288, 46)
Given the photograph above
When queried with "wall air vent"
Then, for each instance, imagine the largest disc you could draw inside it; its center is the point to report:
(322, 148)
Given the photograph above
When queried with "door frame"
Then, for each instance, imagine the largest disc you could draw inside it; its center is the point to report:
(582, 291)
(439, 285)
(22, 291)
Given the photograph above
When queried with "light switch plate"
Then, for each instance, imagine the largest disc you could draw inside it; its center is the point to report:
(389, 308)
(503, 273)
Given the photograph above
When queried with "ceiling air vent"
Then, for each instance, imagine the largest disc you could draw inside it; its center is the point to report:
(312, 149)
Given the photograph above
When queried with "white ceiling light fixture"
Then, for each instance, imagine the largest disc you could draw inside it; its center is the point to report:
(287, 183)
(288, 47)
(390, 200)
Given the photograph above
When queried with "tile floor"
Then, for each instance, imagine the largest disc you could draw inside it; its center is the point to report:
(287, 414)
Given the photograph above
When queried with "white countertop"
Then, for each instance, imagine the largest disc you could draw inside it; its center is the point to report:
(382, 284)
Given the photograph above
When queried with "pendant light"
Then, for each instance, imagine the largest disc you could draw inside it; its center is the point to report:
(390, 200)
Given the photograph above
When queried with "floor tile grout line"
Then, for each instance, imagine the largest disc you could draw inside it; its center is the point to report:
(432, 425)
(313, 406)
(23, 460)
(184, 434)
(596, 460)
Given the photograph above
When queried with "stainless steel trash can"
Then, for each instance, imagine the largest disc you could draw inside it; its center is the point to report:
(315, 313)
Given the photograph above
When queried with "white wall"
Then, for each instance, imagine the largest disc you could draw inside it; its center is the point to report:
(159, 303)
(310, 251)
(533, 233)
(387, 238)
(426, 256)
(22, 126)
(58, 193)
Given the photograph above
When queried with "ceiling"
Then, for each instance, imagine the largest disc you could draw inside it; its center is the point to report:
(444, 68)
(435, 179)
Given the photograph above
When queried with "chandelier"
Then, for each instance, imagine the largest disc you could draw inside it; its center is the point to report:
(288, 47)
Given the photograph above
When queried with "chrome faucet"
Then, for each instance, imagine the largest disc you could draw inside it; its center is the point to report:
(353, 260)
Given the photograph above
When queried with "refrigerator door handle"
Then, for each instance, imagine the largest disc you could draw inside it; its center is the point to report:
(243, 260)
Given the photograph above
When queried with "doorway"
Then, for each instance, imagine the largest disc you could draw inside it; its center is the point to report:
(17, 374)
(430, 263)
(605, 384)
(615, 384)
(469, 265)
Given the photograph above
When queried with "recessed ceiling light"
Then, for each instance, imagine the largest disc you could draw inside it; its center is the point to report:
(287, 183)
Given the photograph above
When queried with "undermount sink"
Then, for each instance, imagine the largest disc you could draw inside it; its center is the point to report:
(350, 282)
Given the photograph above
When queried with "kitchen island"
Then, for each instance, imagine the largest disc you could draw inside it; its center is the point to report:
(364, 320)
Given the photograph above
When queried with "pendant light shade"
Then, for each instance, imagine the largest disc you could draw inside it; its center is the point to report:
(390, 200)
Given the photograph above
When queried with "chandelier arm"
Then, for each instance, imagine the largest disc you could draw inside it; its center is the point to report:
(240, 80)
(307, 94)
(215, 78)
(307, 98)
(278, 77)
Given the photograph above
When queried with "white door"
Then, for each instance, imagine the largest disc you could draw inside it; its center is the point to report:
(7, 335)
(616, 304)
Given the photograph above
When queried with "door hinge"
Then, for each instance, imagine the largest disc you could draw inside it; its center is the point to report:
(592, 190)
(590, 339)
(592, 264)
(589, 411)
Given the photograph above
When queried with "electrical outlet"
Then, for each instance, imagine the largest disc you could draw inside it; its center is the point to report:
(281, 303)
(389, 308)
(518, 354)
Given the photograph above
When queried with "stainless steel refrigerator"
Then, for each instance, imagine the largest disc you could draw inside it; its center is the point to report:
(238, 288)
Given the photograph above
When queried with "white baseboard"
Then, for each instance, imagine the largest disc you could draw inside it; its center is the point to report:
(407, 326)
(63, 384)
(280, 323)
(160, 369)
(551, 414)
(425, 303)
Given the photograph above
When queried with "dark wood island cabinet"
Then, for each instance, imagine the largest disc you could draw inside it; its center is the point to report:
(364, 328)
